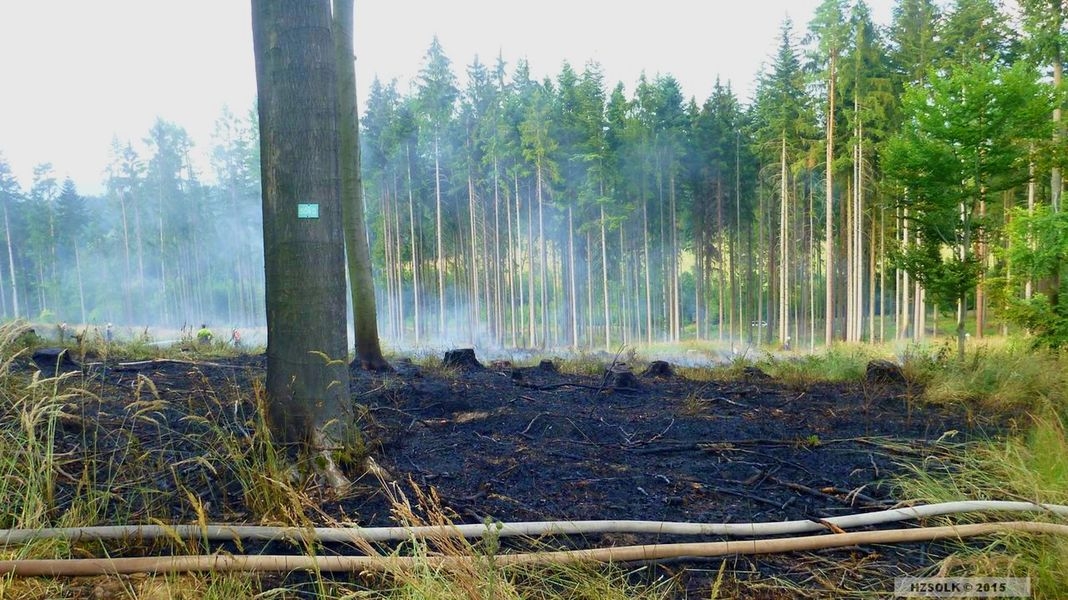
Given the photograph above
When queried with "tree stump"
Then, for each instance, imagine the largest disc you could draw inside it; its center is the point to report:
(755, 374)
(52, 361)
(548, 366)
(620, 377)
(659, 368)
(884, 372)
(463, 358)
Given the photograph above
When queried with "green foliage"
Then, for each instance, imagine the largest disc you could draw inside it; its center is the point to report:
(843, 362)
(965, 137)
(997, 382)
(1037, 253)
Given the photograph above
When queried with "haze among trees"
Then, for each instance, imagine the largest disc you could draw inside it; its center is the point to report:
(873, 189)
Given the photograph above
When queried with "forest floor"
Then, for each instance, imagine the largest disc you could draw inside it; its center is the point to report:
(530, 443)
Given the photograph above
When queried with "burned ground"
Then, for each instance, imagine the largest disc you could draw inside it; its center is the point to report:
(531, 443)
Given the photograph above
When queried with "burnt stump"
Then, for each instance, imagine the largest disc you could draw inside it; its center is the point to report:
(884, 372)
(463, 358)
(619, 377)
(659, 368)
(52, 361)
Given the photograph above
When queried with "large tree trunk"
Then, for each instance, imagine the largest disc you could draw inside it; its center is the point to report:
(364, 310)
(304, 253)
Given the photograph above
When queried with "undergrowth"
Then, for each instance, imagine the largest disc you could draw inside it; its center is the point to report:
(1024, 392)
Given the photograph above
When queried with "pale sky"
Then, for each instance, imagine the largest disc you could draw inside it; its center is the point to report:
(76, 73)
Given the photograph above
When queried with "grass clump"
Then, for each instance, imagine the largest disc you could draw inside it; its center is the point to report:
(999, 380)
(1031, 466)
(841, 363)
(482, 577)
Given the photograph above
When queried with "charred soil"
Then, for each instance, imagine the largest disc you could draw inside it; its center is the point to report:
(527, 443)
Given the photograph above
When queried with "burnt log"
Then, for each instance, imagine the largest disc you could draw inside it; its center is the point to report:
(462, 358)
(53, 361)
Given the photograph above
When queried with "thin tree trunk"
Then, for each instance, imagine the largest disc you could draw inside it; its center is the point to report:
(416, 308)
(475, 295)
(813, 267)
(623, 289)
(882, 275)
(81, 287)
(497, 265)
(126, 250)
(530, 276)
(784, 248)
(590, 333)
(1056, 180)
(573, 296)
(604, 286)
(1028, 291)
(735, 251)
(364, 305)
(519, 261)
(675, 300)
(648, 285)
(871, 280)
(440, 259)
(905, 311)
(722, 259)
(828, 265)
(543, 259)
(11, 265)
(510, 273)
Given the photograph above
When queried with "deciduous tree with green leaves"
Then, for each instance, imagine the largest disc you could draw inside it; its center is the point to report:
(1038, 251)
(965, 137)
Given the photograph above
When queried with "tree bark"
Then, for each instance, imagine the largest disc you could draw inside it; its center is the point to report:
(364, 309)
(304, 258)
(604, 287)
(828, 258)
(11, 265)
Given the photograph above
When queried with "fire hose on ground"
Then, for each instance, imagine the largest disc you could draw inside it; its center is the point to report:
(285, 563)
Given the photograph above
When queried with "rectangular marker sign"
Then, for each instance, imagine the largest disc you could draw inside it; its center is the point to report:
(307, 211)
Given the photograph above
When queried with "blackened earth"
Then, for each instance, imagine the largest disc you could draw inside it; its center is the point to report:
(533, 443)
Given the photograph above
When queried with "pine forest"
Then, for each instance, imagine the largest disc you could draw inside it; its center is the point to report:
(882, 183)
